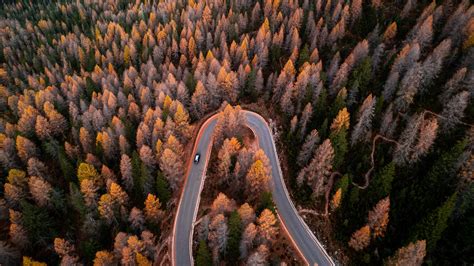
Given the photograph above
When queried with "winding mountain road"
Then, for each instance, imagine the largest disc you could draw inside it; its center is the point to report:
(303, 239)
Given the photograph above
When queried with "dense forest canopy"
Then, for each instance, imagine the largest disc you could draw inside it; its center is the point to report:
(237, 220)
(372, 102)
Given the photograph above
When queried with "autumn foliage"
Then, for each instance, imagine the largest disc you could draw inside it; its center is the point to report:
(369, 102)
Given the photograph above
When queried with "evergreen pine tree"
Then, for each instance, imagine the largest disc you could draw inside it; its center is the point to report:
(340, 145)
(137, 176)
(432, 227)
(234, 237)
(381, 184)
(203, 257)
(163, 188)
(38, 223)
(66, 167)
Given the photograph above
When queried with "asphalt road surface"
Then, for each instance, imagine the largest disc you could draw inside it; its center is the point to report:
(302, 237)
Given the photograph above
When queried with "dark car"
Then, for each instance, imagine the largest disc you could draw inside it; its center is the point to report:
(196, 158)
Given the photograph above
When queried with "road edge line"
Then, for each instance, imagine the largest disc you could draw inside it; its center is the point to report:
(201, 129)
(288, 195)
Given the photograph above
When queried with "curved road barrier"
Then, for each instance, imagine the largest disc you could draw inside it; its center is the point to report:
(299, 233)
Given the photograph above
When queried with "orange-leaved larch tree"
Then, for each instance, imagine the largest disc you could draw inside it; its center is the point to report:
(360, 239)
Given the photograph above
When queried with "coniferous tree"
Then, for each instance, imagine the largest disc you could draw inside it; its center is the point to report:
(8, 253)
(222, 204)
(259, 257)
(364, 123)
(203, 256)
(257, 178)
(246, 213)
(38, 223)
(381, 184)
(360, 239)
(172, 167)
(308, 146)
(229, 148)
(126, 171)
(107, 208)
(453, 111)
(338, 137)
(75, 101)
(378, 217)
(163, 189)
(317, 171)
(136, 219)
(103, 258)
(218, 235)
(152, 209)
(434, 224)
(27, 261)
(267, 223)
(87, 171)
(41, 190)
(412, 254)
(235, 234)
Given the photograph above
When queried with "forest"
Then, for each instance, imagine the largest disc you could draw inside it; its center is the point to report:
(370, 104)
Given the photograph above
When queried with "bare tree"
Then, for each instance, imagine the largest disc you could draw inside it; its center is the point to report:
(389, 123)
(409, 87)
(407, 8)
(453, 85)
(433, 64)
(308, 147)
(407, 139)
(453, 110)
(317, 172)
(218, 235)
(259, 257)
(426, 138)
(248, 237)
(305, 117)
(333, 67)
(364, 123)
